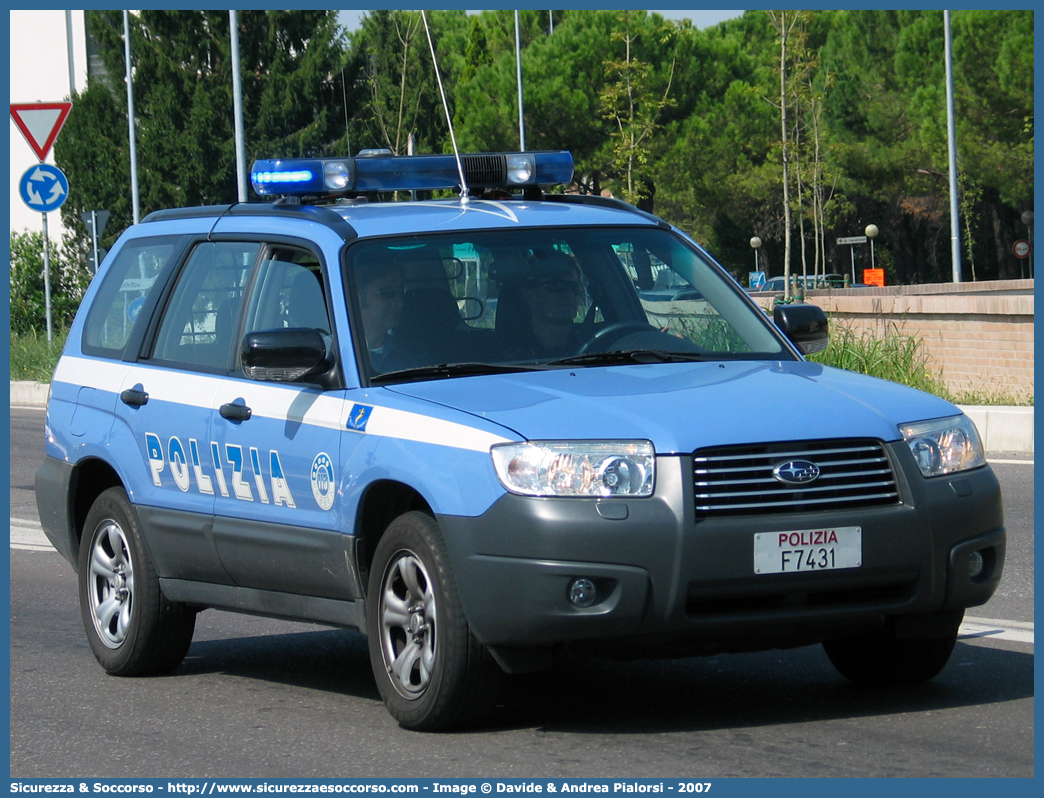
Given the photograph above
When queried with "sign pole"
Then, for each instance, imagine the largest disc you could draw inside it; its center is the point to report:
(94, 237)
(47, 280)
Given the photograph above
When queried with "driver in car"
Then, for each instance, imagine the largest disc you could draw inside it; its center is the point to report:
(537, 308)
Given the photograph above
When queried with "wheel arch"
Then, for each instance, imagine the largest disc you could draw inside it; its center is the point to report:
(90, 479)
(382, 503)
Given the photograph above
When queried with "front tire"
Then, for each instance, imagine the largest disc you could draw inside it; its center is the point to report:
(132, 628)
(431, 671)
(885, 660)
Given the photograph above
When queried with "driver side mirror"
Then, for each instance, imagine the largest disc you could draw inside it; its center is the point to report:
(284, 355)
(805, 325)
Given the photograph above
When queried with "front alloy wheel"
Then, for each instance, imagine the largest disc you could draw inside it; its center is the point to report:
(431, 671)
(409, 622)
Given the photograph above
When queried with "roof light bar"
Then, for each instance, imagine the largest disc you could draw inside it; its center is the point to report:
(370, 173)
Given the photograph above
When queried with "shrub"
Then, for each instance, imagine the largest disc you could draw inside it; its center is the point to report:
(68, 282)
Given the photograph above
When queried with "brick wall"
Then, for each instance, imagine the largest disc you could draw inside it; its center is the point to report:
(979, 336)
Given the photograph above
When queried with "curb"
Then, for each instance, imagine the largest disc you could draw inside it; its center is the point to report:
(33, 394)
(1003, 429)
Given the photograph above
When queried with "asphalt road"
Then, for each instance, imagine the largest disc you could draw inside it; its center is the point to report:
(263, 698)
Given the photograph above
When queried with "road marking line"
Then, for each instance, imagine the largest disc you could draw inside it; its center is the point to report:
(1013, 631)
(991, 461)
(28, 535)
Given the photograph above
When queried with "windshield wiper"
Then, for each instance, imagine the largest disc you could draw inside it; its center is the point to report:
(449, 370)
(629, 356)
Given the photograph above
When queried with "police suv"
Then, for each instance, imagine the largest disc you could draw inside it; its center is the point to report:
(490, 431)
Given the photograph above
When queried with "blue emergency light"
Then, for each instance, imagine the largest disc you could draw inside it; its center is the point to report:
(372, 173)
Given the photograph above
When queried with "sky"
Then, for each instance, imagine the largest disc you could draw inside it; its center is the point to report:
(701, 19)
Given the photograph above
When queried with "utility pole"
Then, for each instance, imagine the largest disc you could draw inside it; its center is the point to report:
(237, 106)
(135, 205)
(951, 134)
(518, 68)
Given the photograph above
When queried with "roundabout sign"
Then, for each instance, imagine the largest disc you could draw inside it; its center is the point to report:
(44, 188)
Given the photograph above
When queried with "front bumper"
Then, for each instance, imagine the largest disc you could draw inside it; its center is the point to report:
(667, 579)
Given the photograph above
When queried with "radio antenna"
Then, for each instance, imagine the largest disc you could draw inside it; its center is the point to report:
(464, 198)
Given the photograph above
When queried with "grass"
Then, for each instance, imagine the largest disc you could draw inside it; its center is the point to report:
(986, 398)
(901, 358)
(32, 358)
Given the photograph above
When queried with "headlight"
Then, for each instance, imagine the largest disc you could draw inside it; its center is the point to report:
(557, 468)
(945, 445)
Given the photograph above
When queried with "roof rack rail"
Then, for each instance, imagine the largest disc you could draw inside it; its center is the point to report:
(605, 202)
(315, 213)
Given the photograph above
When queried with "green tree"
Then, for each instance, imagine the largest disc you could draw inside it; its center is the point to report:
(292, 106)
(866, 130)
(716, 177)
(887, 117)
(486, 92)
(397, 78)
(785, 28)
(95, 142)
(993, 55)
(633, 102)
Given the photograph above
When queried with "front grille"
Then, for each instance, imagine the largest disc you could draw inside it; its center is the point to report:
(739, 480)
(485, 171)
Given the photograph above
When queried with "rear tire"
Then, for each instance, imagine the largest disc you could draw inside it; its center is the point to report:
(132, 628)
(431, 671)
(884, 660)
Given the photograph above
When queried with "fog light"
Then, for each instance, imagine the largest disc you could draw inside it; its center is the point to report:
(976, 563)
(583, 592)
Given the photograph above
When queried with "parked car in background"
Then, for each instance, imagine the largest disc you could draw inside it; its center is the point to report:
(811, 283)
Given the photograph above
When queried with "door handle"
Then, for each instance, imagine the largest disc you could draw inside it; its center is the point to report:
(234, 412)
(134, 397)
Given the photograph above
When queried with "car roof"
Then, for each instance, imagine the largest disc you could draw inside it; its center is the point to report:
(362, 219)
(395, 218)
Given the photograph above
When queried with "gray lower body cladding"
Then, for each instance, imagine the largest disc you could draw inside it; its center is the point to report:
(671, 580)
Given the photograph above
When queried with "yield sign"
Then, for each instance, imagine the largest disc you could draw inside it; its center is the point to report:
(40, 123)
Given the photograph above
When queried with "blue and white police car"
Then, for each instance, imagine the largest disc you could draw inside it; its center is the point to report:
(490, 431)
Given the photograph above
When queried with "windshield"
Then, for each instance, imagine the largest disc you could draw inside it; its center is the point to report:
(434, 305)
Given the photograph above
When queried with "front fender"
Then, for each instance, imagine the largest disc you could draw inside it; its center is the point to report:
(451, 481)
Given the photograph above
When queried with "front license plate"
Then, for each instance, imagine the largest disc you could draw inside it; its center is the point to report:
(808, 550)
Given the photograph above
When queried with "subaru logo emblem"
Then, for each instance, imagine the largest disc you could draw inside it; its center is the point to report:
(796, 472)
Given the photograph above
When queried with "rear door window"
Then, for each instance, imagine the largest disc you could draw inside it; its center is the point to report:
(197, 329)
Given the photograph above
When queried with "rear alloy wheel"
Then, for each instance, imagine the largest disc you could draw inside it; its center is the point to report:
(132, 629)
(431, 671)
(884, 660)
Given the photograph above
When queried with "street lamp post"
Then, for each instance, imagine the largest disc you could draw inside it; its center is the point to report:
(871, 232)
(755, 243)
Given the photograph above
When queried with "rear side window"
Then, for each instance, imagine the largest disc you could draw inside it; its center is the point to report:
(124, 291)
(198, 324)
